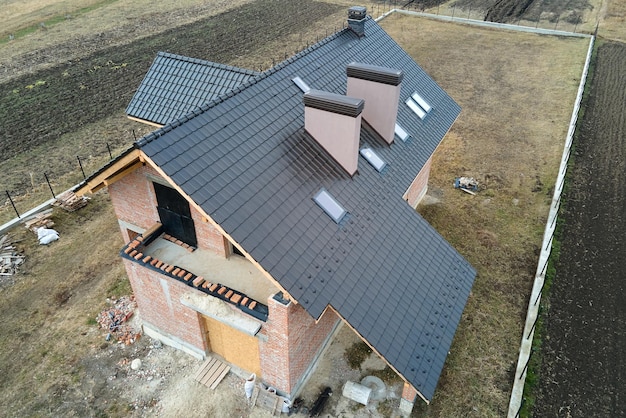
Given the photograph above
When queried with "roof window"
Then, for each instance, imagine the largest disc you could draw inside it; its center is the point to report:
(418, 105)
(303, 86)
(328, 203)
(373, 158)
(402, 134)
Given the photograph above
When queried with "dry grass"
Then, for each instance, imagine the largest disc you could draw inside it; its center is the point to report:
(613, 23)
(517, 92)
(48, 314)
(120, 21)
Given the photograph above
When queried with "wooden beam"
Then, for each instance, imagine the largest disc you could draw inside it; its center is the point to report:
(147, 122)
(97, 182)
(218, 227)
(122, 173)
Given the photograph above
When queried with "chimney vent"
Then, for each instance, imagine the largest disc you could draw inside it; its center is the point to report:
(380, 88)
(356, 19)
(334, 121)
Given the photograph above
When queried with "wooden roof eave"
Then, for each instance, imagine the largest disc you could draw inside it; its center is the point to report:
(109, 174)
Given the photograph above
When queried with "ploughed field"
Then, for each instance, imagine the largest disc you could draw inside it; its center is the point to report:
(583, 372)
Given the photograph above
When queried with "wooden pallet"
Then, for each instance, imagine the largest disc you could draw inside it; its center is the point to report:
(211, 372)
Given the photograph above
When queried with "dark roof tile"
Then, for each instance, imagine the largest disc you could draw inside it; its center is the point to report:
(246, 160)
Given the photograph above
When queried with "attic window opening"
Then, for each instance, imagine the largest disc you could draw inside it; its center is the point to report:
(418, 105)
(301, 84)
(402, 134)
(378, 163)
(329, 205)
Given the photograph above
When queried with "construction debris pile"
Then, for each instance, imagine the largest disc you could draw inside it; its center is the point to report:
(113, 320)
(9, 257)
(40, 220)
(69, 201)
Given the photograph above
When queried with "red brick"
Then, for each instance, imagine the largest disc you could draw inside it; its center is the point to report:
(169, 269)
(175, 271)
(188, 276)
(198, 281)
(252, 304)
(213, 287)
(229, 294)
(244, 301)
(147, 259)
(138, 256)
(235, 298)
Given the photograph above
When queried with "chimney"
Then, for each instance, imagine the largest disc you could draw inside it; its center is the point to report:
(380, 88)
(356, 19)
(334, 121)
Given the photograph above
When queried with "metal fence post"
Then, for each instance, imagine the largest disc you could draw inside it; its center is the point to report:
(81, 167)
(49, 185)
(13, 204)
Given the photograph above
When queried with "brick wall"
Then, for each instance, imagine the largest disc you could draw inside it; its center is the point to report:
(158, 299)
(134, 202)
(418, 188)
(293, 340)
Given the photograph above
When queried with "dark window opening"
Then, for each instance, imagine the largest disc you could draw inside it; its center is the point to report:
(175, 214)
(236, 251)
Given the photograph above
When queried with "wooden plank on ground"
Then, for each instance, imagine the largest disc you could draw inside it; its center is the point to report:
(211, 372)
(207, 367)
(219, 376)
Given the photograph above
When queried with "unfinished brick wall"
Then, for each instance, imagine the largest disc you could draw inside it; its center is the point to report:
(418, 188)
(134, 202)
(293, 340)
(158, 299)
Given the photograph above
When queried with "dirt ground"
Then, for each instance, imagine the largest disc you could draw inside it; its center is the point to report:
(583, 371)
(164, 385)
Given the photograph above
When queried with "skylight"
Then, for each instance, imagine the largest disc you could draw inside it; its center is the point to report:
(328, 203)
(415, 108)
(418, 105)
(402, 134)
(420, 101)
(373, 159)
(303, 86)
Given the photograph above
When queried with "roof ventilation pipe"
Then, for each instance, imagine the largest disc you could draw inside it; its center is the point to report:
(356, 19)
(380, 88)
(334, 121)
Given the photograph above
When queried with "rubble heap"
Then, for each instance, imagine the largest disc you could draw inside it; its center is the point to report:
(113, 320)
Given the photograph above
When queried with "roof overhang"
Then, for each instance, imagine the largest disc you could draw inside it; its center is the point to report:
(129, 161)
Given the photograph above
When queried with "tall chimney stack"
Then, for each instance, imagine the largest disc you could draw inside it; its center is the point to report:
(356, 19)
(380, 88)
(334, 121)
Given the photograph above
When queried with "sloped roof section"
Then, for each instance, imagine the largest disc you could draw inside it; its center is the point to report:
(176, 85)
(247, 161)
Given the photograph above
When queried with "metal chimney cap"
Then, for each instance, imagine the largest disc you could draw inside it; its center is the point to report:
(357, 12)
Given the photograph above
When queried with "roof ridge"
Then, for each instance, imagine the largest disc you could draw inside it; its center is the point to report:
(206, 62)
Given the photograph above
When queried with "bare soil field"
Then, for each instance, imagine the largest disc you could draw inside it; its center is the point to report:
(514, 154)
(583, 372)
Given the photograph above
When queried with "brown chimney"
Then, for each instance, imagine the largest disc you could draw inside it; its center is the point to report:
(334, 121)
(380, 88)
(356, 19)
